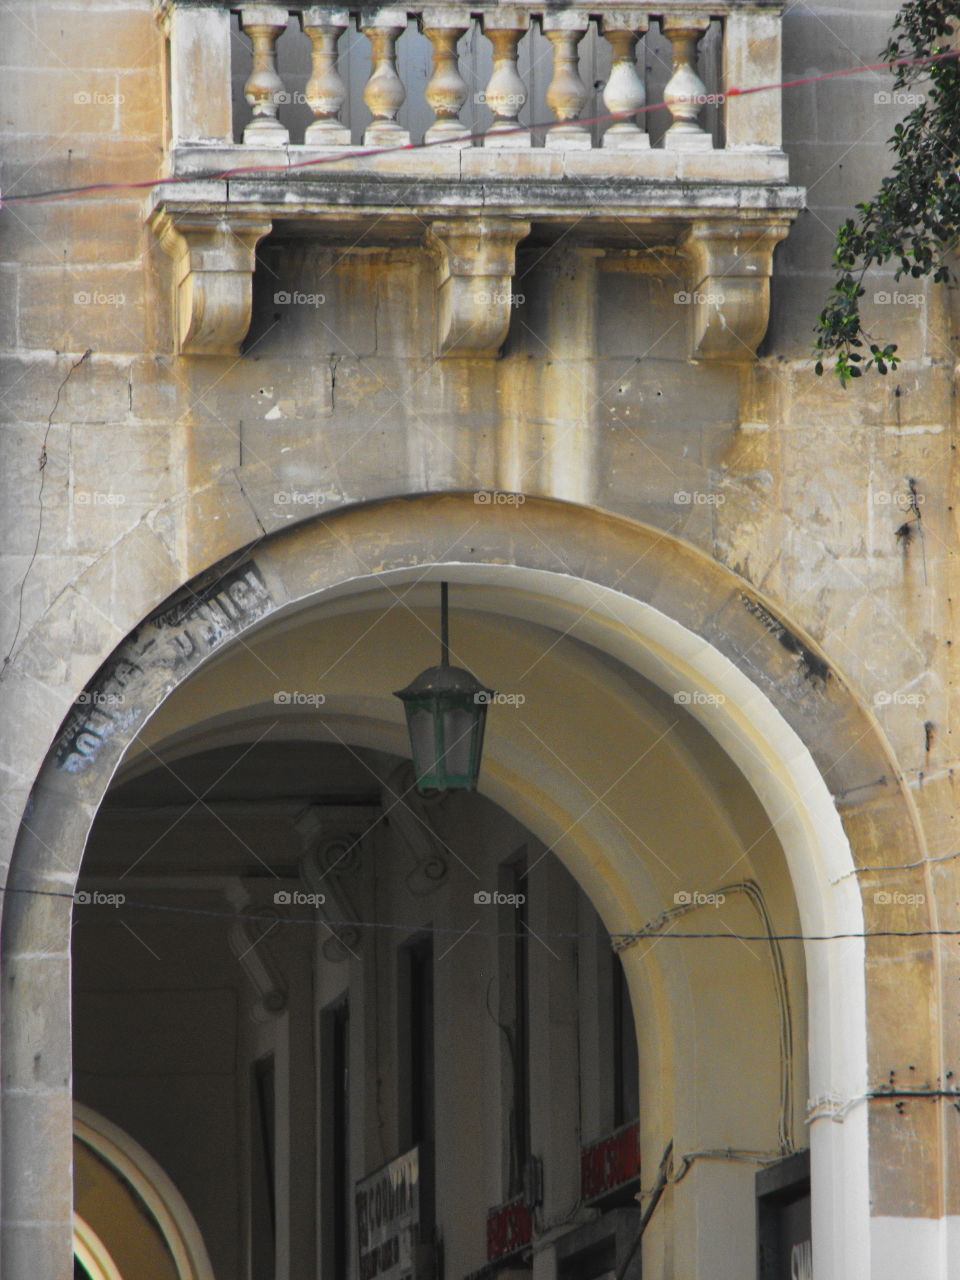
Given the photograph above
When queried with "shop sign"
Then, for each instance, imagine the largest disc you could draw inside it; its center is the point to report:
(610, 1163)
(388, 1219)
(509, 1228)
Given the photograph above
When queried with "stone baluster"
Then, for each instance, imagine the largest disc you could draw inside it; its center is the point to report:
(264, 88)
(326, 91)
(685, 93)
(566, 94)
(384, 93)
(506, 92)
(624, 89)
(447, 90)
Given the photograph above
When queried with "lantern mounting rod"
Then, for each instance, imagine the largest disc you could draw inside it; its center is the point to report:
(444, 628)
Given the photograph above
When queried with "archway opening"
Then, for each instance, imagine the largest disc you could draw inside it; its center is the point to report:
(632, 814)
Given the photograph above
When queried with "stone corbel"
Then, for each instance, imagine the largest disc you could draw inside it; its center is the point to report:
(410, 817)
(333, 867)
(213, 262)
(246, 937)
(730, 296)
(477, 261)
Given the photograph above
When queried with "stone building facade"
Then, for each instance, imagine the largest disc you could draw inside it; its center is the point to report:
(675, 992)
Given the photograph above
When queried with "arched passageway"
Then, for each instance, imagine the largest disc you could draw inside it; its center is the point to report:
(603, 645)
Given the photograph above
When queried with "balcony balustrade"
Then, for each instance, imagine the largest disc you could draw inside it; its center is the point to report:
(318, 115)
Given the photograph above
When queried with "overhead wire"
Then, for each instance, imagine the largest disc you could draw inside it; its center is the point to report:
(618, 939)
(66, 193)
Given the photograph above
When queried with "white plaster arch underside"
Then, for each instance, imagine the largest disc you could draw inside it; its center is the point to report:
(757, 739)
(166, 1207)
(92, 1252)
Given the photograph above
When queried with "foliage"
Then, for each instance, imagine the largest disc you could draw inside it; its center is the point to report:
(914, 220)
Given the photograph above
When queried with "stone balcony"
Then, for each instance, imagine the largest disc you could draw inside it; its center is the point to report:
(468, 128)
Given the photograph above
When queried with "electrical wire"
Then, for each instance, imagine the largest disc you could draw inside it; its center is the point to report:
(837, 1109)
(66, 193)
(618, 940)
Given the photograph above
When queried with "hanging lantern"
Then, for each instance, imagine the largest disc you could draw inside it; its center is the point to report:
(446, 710)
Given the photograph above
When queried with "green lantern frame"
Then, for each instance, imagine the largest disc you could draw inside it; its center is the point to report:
(446, 710)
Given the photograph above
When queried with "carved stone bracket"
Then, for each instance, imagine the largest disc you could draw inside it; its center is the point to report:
(410, 817)
(730, 299)
(477, 262)
(213, 261)
(333, 866)
(247, 943)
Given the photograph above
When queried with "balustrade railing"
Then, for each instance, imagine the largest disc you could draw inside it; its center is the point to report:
(429, 74)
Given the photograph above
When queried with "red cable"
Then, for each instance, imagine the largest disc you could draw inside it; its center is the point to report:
(65, 193)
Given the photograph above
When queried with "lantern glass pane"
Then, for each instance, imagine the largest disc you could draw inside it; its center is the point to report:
(422, 742)
(458, 728)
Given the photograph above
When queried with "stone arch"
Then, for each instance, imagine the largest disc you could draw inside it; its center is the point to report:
(168, 1222)
(786, 718)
